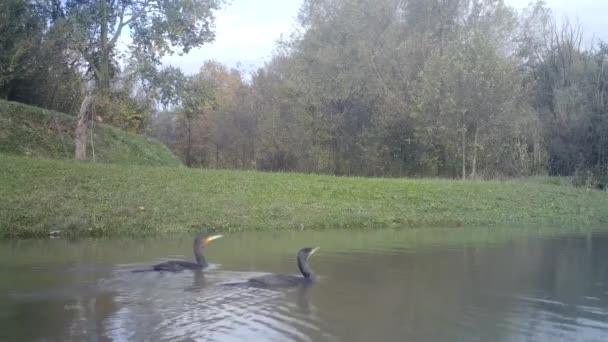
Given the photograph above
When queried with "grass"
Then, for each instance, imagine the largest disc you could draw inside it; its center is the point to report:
(81, 198)
(39, 133)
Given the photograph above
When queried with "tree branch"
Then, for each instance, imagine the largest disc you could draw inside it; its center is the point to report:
(89, 61)
(139, 13)
(122, 23)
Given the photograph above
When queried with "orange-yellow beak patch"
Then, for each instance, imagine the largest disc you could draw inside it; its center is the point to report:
(211, 238)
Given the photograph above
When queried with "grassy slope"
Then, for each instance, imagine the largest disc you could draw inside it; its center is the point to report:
(32, 131)
(86, 198)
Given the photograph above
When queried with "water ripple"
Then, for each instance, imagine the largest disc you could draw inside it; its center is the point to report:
(211, 312)
(531, 289)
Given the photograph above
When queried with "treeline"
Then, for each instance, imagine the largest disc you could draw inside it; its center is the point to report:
(436, 88)
(459, 89)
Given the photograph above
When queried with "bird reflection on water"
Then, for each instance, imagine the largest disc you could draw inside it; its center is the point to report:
(177, 305)
(195, 306)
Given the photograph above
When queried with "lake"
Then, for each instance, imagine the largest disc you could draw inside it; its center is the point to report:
(386, 285)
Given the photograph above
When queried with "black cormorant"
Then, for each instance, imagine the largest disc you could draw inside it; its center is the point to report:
(287, 280)
(178, 265)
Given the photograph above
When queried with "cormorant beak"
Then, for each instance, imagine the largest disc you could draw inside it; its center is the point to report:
(211, 238)
(313, 251)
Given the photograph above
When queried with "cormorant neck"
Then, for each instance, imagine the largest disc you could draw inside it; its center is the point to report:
(303, 266)
(197, 248)
(200, 259)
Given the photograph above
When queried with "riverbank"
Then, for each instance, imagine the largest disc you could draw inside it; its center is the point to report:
(80, 199)
(40, 133)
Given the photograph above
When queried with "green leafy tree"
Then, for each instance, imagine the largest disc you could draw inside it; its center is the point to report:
(156, 28)
(20, 35)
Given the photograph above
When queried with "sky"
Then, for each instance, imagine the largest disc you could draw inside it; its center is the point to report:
(246, 33)
(247, 30)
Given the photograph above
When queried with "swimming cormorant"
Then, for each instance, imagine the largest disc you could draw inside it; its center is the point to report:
(178, 265)
(287, 280)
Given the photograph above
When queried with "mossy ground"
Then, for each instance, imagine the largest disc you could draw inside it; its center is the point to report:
(39, 133)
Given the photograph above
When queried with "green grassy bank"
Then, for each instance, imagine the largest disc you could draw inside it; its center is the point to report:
(36, 132)
(77, 198)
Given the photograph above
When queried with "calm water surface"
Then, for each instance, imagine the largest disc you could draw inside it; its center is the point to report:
(408, 285)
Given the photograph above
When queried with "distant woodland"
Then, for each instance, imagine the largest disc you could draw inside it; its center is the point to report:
(389, 88)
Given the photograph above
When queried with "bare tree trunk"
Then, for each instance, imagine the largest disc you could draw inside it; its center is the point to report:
(104, 67)
(600, 86)
(217, 156)
(92, 140)
(243, 155)
(535, 148)
(474, 170)
(188, 141)
(538, 146)
(464, 147)
(82, 127)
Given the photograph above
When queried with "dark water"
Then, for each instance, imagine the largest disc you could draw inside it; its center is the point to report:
(410, 285)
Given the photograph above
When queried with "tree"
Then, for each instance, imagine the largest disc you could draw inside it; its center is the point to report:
(20, 34)
(283, 140)
(217, 120)
(568, 88)
(156, 28)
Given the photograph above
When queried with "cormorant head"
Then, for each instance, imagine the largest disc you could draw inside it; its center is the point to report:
(306, 252)
(197, 247)
(303, 256)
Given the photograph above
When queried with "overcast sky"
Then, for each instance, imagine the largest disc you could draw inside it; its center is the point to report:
(246, 30)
